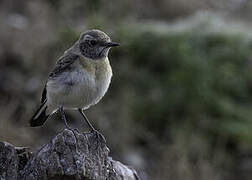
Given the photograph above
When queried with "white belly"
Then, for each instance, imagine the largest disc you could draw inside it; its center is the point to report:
(77, 89)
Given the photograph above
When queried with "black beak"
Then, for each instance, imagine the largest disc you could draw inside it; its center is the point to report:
(112, 44)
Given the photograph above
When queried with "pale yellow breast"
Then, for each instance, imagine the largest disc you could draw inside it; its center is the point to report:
(90, 81)
(99, 69)
(97, 75)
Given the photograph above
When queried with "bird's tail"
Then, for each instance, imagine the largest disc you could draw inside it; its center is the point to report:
(40, 116)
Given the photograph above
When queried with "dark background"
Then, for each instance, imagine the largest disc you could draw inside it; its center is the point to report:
(180, 102)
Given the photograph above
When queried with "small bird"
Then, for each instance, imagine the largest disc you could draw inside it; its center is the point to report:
(79, 80)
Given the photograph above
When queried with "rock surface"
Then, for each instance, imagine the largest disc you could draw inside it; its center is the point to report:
(70, 155)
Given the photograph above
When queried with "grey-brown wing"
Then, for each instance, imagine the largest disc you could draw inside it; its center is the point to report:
(43, 97)
(63, 64)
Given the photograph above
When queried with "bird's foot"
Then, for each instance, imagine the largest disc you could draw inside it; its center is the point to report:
(99, 136)
(72, 129)
(68, 127)
(76, 129)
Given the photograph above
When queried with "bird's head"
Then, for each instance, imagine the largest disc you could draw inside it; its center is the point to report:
(95, 44)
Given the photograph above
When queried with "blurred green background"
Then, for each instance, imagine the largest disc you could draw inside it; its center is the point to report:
(180, 102)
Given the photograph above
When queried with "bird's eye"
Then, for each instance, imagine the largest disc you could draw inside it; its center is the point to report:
(93, 42)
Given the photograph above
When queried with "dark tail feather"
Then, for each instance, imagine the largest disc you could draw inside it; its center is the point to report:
(39, 118)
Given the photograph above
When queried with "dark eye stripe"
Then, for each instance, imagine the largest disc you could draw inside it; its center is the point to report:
(93, 42)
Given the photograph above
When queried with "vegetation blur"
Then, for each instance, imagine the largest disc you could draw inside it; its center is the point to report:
(180, 102)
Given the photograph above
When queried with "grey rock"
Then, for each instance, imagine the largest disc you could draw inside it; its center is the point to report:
(70, 155)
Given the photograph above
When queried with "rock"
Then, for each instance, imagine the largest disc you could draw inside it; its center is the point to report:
(70, 155)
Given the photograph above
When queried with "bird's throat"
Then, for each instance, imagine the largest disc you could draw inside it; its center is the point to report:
(96, 68)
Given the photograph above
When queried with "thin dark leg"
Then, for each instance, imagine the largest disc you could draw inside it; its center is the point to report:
(63, 117)
(99, 135)
(86, 119)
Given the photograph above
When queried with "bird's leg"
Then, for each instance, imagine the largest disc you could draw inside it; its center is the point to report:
(86, 119)
(63, 117)
(93, 130)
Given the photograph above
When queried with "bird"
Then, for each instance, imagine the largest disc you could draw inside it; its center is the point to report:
(80, 78)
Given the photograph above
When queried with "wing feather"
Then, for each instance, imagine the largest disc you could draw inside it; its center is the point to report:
(43, 97)
(63, 64)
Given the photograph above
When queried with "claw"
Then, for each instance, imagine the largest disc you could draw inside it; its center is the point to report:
(68, 127)
(101, 141)
(99, 136)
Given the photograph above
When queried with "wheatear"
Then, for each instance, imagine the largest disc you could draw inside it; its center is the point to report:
(80, 78)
